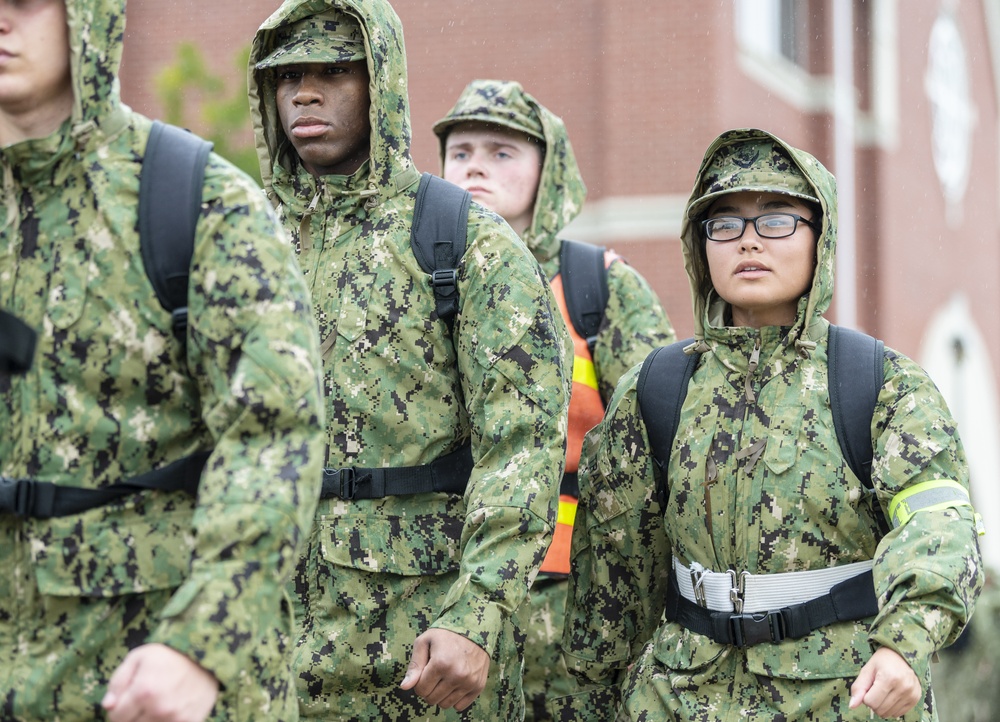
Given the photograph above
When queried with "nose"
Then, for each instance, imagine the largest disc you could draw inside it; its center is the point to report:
(307, 91)
(750, 240)
(474, 167)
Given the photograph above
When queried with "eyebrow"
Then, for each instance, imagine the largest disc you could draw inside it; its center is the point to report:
(777, 203)
(491, 144)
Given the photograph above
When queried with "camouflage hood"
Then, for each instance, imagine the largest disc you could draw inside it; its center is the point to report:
(760, 164)
(390, 168)
(561, 191)
(96, 33)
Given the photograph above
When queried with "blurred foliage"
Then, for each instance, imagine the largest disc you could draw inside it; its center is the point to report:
(194, 98)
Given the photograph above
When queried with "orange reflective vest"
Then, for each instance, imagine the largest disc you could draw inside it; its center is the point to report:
(586, 408)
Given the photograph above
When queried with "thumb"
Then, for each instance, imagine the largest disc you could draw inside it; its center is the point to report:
(866, 677)
(120, 681)
(421, 654)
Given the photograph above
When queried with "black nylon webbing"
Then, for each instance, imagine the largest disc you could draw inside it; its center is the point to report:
(44, 500)
(449, 473)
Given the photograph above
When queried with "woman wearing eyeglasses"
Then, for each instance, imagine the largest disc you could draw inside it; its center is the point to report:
(721, 599)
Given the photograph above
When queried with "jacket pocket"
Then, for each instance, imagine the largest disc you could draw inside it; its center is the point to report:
(96, 554)
(419, 545)
(782, 448)
(833, 652)
(681, 649)
(68, 291)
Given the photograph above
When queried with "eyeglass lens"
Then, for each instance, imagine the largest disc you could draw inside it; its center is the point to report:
(772, 225)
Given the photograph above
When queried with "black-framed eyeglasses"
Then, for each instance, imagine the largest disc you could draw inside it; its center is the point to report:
(769, 225)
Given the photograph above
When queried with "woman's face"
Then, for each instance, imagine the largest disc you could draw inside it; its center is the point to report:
(762, 278)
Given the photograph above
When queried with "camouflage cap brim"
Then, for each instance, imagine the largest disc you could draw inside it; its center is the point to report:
(495, 102)
(761, 166)
(328, 38)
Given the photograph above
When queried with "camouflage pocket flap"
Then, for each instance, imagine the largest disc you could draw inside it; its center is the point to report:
(782, 448)
(427, 544)
(100, 555)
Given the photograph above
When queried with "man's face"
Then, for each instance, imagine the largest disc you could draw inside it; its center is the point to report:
(499, 167)
(324, 112)
(36, 89)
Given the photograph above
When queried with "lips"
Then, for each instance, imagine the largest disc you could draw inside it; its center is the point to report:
(309, 127)
(750, 268)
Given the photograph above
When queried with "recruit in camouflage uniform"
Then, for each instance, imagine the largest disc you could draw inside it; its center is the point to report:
(113, 394)
(402, 391)
(792, 505)
(634, 324)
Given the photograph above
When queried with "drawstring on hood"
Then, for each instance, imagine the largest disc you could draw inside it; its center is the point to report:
(561, 191)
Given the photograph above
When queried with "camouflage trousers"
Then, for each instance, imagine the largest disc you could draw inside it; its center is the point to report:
(58, 651)
(724, 690)
(355, 632)
(545, 673)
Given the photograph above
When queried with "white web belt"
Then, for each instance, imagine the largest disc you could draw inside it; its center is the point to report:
(743, 592)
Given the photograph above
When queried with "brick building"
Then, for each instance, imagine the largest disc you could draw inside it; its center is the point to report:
(899, 99)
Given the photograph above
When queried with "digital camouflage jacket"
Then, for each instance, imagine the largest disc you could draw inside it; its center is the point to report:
(756, 482)
(635, 322)
(401, 390)
(113, 394)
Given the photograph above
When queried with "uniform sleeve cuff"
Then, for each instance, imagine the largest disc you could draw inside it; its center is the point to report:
(474, 619)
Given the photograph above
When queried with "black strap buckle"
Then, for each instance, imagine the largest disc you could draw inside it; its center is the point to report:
(344, 483)
(12, 496)
(27, 498)
(179, 322)
(348, 482)
(750, 629)
(446, 279)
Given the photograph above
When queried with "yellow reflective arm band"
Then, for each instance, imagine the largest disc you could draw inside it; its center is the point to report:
(927, 496)
(567, 513)
(584, 373)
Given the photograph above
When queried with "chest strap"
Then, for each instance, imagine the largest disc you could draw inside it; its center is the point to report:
(28, 498)
(848, 600)
(449, 474)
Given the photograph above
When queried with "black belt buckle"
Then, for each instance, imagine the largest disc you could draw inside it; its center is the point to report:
(751, 629)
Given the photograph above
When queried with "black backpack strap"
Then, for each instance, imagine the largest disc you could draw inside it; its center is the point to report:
(17, 344)
(585, 286)
(660, 404)
(437, 236)
(43, 499)
(855, 369)
(170, 188)
(449, 473)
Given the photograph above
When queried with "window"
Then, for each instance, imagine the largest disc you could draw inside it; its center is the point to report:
(774, 29)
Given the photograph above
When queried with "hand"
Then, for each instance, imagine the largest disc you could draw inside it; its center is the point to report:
(887, 685)
(447, 669)
(159, 684)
